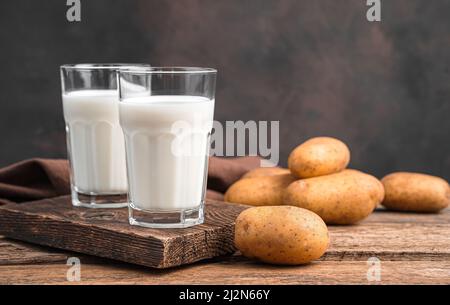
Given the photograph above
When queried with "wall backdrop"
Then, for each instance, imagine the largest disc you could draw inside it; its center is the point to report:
(319, 67)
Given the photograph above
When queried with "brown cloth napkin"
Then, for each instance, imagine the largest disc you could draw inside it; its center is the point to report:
(36, 179)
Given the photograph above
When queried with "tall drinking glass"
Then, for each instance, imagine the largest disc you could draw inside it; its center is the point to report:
(95, 141)
(166, 114)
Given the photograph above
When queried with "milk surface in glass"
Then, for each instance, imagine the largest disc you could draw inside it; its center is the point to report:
(167, 143)
(95, 141)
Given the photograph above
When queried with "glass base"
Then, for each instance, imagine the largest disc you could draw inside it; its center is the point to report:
(183, 218)
(97, 201)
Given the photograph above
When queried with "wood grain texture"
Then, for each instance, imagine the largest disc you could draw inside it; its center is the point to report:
(234, 270)
(412, 248)
(390, 241)
(394, 236)
(106, 233)
(17, 252)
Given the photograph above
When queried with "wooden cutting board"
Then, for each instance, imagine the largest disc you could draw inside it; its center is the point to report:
(106, 232)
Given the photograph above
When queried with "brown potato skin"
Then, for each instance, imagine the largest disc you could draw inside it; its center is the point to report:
(374, 186)
(415, 192)
(259, 191)
(319, 156)
(281, 235)
(266, 171)
(343, 198)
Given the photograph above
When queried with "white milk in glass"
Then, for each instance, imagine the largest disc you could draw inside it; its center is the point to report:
(167, 145)
(95, 141)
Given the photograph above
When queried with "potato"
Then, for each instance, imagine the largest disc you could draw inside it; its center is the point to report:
(281, 235)
(258, 191)
(415, 192)
(374, 186)
(342, 198)
(319, 156)
(266, 171)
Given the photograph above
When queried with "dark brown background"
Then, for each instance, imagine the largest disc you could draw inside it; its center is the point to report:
(317, 66)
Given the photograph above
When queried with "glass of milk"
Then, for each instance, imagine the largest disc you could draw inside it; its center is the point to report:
(95, 141)
(166, 114)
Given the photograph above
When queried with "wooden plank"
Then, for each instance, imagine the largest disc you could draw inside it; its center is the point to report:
(382, 215)
(413, 249)
(393, 236)
(234, 271)
(386, 235)
(106, 233)
(17, 252)
(390, 241)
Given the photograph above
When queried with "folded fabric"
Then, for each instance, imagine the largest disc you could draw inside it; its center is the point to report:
(36, 179)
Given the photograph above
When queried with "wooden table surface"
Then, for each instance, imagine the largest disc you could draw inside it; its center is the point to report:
(411, 248)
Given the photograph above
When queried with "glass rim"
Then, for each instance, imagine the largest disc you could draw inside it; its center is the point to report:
(167, 70)
(103, 66)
